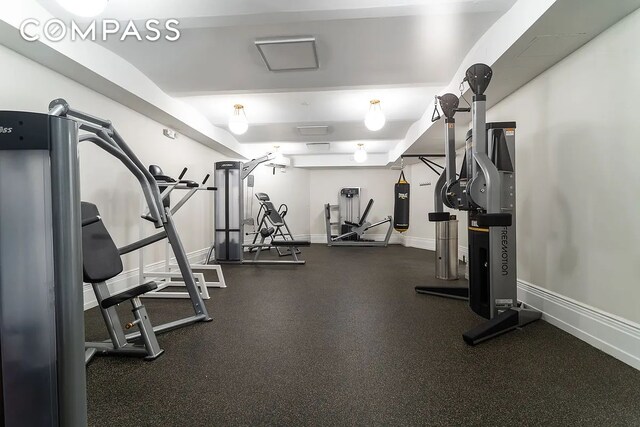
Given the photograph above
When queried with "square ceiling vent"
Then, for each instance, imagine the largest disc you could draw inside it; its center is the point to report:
(289, 53)
(313, 130)
(318, 147)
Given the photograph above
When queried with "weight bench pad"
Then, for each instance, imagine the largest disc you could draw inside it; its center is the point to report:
(127, 295)
(291, 243)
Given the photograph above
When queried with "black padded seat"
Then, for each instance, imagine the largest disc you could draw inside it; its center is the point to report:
(301, 243)
(100, 257)
(266, 232)
(129, 294)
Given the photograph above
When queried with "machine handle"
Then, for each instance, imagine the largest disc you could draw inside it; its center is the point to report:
(206, 178)
(89, 221)
(189, 184)
(182, 174)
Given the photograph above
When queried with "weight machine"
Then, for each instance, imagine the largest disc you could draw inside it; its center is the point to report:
(229, 244)
(486, 188)
(42, 369)
(102, 133)
(351, 225)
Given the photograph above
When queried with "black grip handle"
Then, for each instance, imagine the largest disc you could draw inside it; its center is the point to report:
(206, 178)
(89, 221)
(182, 174)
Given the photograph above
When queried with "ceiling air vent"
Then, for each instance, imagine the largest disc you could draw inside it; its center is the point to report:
(318, 147)
(289, 53)
(313, 130)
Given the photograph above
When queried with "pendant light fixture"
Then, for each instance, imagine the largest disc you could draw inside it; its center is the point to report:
(84, 8)
(360, 156)
(238, 123)
(375, 119)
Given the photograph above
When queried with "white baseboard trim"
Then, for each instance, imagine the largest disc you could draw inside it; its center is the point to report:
(426, 243)
(129, 279)
(615, 336)
(318, 238)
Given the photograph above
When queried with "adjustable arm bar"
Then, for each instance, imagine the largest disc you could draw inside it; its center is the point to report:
(248, 167)
(135, 171)
(107, 138)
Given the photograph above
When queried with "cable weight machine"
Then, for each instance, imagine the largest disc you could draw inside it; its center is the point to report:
(486, 189)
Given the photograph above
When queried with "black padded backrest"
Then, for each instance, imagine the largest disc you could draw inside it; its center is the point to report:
(155, 170)
(363, 219)
(274, 215)
(100, 257)
(160, 178)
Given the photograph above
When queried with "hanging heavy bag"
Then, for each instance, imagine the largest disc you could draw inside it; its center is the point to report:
(401, 208)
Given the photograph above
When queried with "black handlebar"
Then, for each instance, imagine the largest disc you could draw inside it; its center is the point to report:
(206, 178)
(89, 221)
(182, 174)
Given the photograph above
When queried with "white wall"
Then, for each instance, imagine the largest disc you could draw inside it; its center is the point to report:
(377, 184)
(577, 153)
(577, 157)
(26, 85)
(421, 233)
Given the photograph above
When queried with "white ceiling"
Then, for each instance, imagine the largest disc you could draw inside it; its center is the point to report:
(399, 51)
(557, 34)
(274, 117)
(377, 52)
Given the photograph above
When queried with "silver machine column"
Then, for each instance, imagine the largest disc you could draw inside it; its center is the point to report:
(42, 370)
(447, 249)
(229, 221)
(229, 212)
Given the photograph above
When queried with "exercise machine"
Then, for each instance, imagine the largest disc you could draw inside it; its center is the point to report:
(101, 262)
(229, 244)
(269, 216)
(42, 369)
(351, 225)
(486, 189)
(103, 134)
(169, 275)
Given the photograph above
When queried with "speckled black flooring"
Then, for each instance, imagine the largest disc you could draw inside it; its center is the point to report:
(344, 340)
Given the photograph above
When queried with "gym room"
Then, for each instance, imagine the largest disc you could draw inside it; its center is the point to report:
(340, 212)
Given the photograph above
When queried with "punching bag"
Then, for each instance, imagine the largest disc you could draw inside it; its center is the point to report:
(401, 207)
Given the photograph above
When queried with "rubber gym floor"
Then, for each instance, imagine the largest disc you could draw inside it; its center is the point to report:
(344, 340)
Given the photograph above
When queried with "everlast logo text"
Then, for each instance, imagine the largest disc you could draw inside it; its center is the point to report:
(504, 240)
